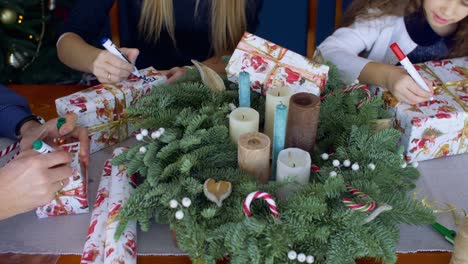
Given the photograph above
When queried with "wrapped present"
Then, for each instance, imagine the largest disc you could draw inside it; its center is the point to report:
(121, 187)
(73, 197)
(435, 128)
(101, 108)
(271, 65)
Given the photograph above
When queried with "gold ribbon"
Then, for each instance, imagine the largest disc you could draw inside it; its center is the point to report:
(278, 63)
(437, 209)
(444, 86)
(119, 119)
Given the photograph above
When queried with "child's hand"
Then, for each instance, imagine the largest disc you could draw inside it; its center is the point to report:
(174, 73)
(405, 89)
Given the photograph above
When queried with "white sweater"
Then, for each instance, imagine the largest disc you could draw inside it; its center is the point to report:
(372, 37)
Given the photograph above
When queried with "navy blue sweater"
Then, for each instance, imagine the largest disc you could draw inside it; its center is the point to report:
(13, 109)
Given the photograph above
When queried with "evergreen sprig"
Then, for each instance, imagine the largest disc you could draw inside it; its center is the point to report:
(196, 147)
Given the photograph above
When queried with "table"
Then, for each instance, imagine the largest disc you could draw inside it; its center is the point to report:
(42, 98)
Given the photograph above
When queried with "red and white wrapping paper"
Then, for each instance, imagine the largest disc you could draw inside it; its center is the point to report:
(114, 190)
(101, 107)
(271, 65)
(73, 197)
(93, 251)
(123, 250)
(436, 128)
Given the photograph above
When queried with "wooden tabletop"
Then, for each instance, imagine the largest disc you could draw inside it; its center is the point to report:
(41, 98)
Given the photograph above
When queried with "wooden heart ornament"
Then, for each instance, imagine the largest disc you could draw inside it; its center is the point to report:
(217, 191)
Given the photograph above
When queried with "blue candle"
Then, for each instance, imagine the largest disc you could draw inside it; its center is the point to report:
(244, 89)
(279, 134)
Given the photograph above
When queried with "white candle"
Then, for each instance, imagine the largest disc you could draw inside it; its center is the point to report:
(274, 97)
(293, 164)
(242, 120)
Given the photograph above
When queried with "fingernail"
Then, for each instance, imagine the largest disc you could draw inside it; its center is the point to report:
(60, 122)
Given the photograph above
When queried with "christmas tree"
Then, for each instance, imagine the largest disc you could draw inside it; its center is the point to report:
(28, 32)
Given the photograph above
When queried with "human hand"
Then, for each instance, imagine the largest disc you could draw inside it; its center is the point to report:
(405, 89)
(174, 73)
(108, 68)
(31, 180)
(32, 130)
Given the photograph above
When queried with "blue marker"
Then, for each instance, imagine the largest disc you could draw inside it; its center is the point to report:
(107, 43)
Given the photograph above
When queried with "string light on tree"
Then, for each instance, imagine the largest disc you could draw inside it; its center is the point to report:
(8, 16)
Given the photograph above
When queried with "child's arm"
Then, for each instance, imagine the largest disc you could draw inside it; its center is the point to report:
(396, 80)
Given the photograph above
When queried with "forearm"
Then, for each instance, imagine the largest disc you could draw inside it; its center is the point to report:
(376, 73)
(74, 52)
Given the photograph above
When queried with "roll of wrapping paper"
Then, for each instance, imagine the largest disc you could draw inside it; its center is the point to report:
(122, 250)
(460, 252)
(93, 251)
(303, 117)
(253, 155)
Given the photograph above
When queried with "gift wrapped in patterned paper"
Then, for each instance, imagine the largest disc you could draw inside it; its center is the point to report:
(435, 128)
(73, 197)
(271, 65)
(101, 108)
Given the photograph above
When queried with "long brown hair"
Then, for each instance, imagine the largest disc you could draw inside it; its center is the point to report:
(359, 9)
(228, 22)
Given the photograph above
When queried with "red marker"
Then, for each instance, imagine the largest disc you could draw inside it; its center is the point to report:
(401, 56)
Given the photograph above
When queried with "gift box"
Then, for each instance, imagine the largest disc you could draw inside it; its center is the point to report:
(115, 188)
(435, 128)
(73, 197)
(101, 108)
(271, 65)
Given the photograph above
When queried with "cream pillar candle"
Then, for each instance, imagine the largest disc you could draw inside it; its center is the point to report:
(293, 164)
(242, 120)
(274, 97)
(460, 252)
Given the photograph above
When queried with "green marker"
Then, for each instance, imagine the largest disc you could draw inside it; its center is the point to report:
(60, 122)
(448, 234)
(41, 147)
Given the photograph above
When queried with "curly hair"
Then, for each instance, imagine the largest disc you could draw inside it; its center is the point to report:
(359, 9)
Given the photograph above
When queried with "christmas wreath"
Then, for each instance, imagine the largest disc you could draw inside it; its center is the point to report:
(352, 207)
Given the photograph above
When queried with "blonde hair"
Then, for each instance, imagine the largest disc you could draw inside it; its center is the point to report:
(228, 22)
(359, 9)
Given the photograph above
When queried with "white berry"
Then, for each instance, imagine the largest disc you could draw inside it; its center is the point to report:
(301, 257)
(186, 202)
(156, 135)
(336, 163)
(292, 255)
(415, 164)
(144, 132)
(403, 165)
(347, 163)
(371, 166)
(162, 130)
(173, 204)
(310, 259)
(355, 167)
(179, 215)
(232, 106)
(143, 150)
(324, 156)
(333, 174)
(139, 137)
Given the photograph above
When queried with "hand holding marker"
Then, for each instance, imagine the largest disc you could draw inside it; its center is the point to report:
(107, 43)
(410, 68)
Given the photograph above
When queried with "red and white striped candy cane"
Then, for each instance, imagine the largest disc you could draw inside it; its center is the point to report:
(362, 207)
(359, 86)
(260, 195)
(9, 149)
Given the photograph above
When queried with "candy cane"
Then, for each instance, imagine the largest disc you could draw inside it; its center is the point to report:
(9, 149)
(348, 202)
(260, 195)
(362, 87)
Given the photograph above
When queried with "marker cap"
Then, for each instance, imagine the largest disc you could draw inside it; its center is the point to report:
(398, 52)
(37, 144)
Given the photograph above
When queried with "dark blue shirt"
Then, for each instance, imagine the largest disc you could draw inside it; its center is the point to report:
(90, 20)
(430, 46)
(13, 109)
